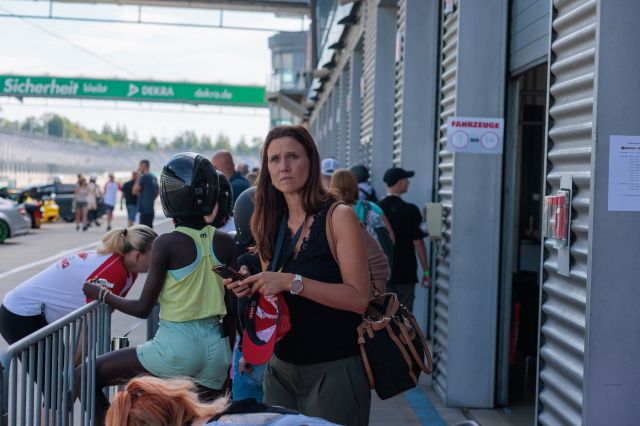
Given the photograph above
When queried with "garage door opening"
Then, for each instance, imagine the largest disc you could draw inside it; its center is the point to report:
(524, 171)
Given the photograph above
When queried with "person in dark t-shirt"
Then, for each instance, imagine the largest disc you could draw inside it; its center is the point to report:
(129, 199)
(405, 219)
(146, 188)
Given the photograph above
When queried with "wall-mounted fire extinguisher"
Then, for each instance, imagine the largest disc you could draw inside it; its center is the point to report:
(555, 218)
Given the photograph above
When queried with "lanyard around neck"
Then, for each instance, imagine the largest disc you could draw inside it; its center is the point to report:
(279, 243)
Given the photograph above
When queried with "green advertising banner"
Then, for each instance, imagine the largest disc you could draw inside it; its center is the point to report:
(132, 90)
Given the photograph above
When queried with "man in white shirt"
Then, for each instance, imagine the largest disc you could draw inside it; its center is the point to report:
(110, 195)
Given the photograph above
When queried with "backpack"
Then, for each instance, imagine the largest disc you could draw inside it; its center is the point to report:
(378, 229)
(378, 262)
(367, 195)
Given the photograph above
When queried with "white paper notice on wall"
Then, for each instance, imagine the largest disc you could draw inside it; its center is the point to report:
(475, 135)
(624, 173)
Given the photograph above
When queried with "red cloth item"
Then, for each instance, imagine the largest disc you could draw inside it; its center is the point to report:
(114, 272)
(267, 320)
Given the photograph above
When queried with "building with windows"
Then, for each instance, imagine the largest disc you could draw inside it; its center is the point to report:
(286, 86)
(513, 314)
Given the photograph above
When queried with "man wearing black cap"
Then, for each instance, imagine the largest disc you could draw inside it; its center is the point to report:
(405, 219)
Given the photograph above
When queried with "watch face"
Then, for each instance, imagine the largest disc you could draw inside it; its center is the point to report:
(296, 286)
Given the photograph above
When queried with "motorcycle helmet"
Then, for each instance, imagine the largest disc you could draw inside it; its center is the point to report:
(361, 172)
(188, 186)
(242, 212)
(224, 203)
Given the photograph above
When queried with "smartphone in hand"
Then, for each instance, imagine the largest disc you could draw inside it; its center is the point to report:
(226, 272)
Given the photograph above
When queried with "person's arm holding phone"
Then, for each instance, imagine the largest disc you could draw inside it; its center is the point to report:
(227, 272)
(236, 285)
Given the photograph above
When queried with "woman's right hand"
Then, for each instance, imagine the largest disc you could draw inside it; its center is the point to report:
(236, 286)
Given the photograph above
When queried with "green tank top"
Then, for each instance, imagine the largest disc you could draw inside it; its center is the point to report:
(195, 291)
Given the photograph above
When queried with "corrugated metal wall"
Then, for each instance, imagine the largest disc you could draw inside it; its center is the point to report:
(318, 133)
(313, 124)
(323, 129)
(529, 35)
(331, 139)
(354, 105)
(335, 118)
(348, 91)
(447, 101)
(341, 118)
(368, 76)
(399, 89)
(571, 115)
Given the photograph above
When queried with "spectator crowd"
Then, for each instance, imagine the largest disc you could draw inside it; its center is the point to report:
(261, 285)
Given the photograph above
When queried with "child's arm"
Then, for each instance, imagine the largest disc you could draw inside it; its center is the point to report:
(141, 307)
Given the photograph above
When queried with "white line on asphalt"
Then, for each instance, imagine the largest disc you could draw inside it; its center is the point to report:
(48, 259)
(61, 254)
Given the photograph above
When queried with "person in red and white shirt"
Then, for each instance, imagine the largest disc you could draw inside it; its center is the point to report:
(57, 291)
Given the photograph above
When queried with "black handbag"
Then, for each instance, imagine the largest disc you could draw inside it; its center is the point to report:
(392, 345)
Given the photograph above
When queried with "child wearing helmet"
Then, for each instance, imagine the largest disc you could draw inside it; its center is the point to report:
(190, 341)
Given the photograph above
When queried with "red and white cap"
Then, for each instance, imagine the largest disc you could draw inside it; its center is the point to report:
(267, 320)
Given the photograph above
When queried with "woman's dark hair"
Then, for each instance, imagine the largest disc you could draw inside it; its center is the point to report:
(270, 204)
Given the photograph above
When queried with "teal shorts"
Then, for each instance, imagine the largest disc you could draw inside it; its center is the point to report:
(192, 349)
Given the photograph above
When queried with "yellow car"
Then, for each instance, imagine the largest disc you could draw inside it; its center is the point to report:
(50, 210)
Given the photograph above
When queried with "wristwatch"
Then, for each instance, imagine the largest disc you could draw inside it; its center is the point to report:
(296, 284)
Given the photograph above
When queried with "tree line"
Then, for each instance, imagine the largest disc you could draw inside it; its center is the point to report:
(118, 136)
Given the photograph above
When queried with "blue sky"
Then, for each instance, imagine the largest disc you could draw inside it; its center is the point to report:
(89, 49)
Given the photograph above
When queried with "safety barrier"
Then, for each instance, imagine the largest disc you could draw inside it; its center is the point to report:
(38, 372)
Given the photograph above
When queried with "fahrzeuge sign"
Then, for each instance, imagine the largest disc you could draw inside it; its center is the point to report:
(132, 90)
(475, 135)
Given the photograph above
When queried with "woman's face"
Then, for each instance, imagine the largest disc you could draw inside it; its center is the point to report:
(288, 165)
(137, 262)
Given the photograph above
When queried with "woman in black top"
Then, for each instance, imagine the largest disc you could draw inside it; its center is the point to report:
(317, 368)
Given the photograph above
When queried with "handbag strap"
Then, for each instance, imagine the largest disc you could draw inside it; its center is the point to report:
(273, 266)
(365, 358)
(332, 245)
(429, 367)
(331, 238)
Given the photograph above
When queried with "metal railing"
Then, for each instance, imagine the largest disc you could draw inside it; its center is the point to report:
(38, 372)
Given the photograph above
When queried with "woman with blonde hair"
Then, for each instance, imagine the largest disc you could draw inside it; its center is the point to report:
(57, 290)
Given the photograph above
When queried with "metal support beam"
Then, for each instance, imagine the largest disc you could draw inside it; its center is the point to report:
(283, 7)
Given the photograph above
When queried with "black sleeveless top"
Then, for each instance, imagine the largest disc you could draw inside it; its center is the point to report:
(318, 333)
